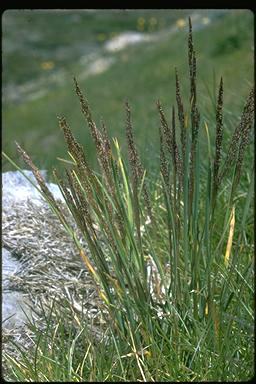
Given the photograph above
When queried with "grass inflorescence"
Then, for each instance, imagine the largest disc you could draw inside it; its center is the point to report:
(176, 294)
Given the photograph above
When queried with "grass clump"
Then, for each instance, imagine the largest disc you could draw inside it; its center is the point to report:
(175, 274)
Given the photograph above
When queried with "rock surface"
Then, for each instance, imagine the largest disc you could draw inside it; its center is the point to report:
(16, 188)
(12, 301)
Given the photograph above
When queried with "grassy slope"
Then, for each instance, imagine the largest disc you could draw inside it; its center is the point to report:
(142, 73)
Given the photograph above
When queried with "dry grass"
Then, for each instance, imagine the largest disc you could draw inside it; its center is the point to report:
(51, 270)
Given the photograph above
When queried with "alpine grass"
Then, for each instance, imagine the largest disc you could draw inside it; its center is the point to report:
(175, 274)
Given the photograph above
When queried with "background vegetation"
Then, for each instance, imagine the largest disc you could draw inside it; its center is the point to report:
(42, 51)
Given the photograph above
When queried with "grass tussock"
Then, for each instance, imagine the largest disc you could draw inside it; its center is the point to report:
(175, 275)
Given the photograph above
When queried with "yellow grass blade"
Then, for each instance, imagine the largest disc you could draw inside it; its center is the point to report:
(88, 264)
(230, 237)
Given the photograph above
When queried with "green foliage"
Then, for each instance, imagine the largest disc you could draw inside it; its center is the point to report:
(176, 273)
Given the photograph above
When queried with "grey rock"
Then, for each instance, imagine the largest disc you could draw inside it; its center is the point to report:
(13, 302)
(9, 267)
(15, 187)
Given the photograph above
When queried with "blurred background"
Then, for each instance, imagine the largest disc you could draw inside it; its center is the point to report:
(116, 54)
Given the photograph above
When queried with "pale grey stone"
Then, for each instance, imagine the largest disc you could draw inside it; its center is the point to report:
(15, 187)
